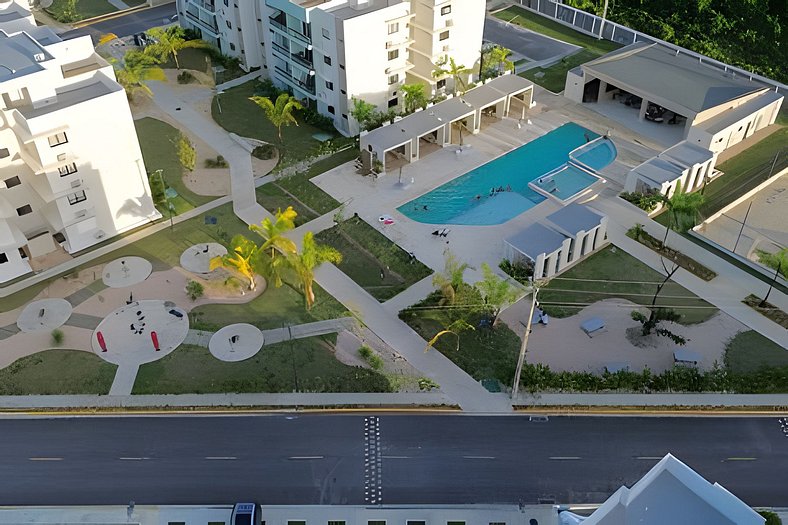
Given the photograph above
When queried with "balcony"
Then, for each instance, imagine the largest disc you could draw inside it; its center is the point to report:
(290, 32)
(300, 84)
(205, 5)
(302, 60)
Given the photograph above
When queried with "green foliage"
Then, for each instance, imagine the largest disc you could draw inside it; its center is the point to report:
(775, 261)
(683, 208)
(362, 111)
(691, 265)
(414, 97)
(184, 77)
(495, 61)
(495, 291)
(425, 383)
(68, 11)
(372, 359)
(169, 41)
(645, 201)
(448, 67)
(157, 190)
(57, 337)
(134, 70)
(187, 155)
(194, 290)
(264, 152)
(771, 517)
(57, 372)
(218, 162)
(279, 112)
(651, 323)
(521, 271)
(450, 281)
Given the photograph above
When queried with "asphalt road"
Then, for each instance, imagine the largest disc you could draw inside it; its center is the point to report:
(328, 459)
(126, 25)
(524, 43)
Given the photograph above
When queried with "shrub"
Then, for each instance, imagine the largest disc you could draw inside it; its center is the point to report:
(194, 290)
(520, 271)
(218, 162)
(185, 78)
(313, 118)
(186, 153)
(771, 517)
(264, 152)
(57, 337)
(645, 201)
(372, 359)
(425, 383)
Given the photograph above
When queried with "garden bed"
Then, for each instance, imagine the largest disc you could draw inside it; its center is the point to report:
(688, 263)
(767, 310)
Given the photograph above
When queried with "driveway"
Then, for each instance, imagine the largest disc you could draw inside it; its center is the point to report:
(524, 43)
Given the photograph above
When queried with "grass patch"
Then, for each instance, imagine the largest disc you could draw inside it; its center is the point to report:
(554, 77)
(85, 9)
(57, 372)
(158, 144)
(272, 197)
(595, 278)
(539, 24)
(365, 252)
(749, 351)
(303, 189)
(302, 365)
(245, 118)
(675, 256)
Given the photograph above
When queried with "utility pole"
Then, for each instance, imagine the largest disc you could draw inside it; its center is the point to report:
(602, 22)
(524, 346)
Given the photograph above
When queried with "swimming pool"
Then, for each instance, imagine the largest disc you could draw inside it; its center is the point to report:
(468, 199)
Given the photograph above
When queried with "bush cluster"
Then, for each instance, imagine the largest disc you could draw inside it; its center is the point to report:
(264, 152)
(647, 202)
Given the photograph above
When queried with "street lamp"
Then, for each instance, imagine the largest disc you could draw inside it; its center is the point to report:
(218, 102)
(160, 173)
(535, 285)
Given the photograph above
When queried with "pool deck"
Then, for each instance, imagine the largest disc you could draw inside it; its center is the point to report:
(371, 197)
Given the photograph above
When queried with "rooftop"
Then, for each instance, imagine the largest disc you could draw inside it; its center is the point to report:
(20, 55)
(686, 154)
(70, 97)
(346, 11)
(660, 170)
(574, 218)
(12, 12)
(536, 240)
(655, 70)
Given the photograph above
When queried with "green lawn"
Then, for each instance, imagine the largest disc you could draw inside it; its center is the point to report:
(158, 144)
(365, 252)
(273, 197)
(202, 60)
(539, 24)
(554, 78)
(750, 351)
(85, 9)
(302, 365)
(57, 372)
(597, 274)
(243, 117)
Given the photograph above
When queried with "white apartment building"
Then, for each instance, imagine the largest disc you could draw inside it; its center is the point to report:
(330, 51)
(71, 170)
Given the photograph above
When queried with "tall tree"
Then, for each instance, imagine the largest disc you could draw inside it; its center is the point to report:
(499, 56)
(242, 256)
(450, 280)
(273, 231)
(448, 67)
(683, 209)
(169, 42)
(134, 70)
(362, 111)
(496, 291)
(310, 257)
(414, 97)
(658, 314)
(280, 112)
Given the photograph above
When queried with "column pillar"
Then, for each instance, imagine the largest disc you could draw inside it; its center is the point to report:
(539, 266)
(551, 264)
(601, 231)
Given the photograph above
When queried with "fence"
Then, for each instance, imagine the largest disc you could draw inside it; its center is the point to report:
(591, 24)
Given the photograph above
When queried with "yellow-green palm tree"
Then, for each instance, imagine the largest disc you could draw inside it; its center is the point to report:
(310, 257)
(499, 56)
(280, 112)
(169, 42)
(243, 257)
(273, 231)
(447, 67)
(134, 70)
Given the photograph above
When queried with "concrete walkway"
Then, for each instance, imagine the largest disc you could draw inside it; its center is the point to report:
(123, 383)
(120, 5)
(725, 291)
(655, 400)
(287, 333)
(411, 295)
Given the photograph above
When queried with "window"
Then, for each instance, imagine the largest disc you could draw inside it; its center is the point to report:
(343, 91)
(393, 27)
(344, 116)
(455, 523)
(444, 36)
(12, 181)
(229, 25)
(331, 110)
(58, 139)
(232, 46)
(341, 66)
(217, 522)
(393, 54)
(68, 169)
(4, 259)
(445, 10)
(227, 3)
(376, 522)
(329, 85)
(393, 79)
(327, 60)
(416, 522)
(24, 210)
(441, 84)
(497, 523)
(326, 34)
(296, 522)
(4, 153)
(393, 104)
(336, 522)
(75, 198)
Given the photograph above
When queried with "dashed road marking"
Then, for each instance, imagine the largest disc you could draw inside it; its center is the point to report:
(373, 461)
(305, 457)
(45, 459)
(479, 457)
(740, 459)
(564, 458)
(220, 458)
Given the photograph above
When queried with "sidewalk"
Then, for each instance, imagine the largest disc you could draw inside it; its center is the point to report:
(655, 400)
(287, 333)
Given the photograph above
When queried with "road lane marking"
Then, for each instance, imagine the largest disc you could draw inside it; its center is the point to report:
(306, 457)
(396, 457)
(132, 459)
(220, 458)
(649, 458)
(740, 459)
(564, 458)
(479, 457)
(45, 459)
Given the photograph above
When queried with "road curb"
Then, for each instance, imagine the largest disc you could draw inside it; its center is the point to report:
(115, 14)
(234, 410)
(580, 410)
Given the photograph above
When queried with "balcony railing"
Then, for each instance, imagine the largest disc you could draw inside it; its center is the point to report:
(287, 77)
(292, 32)
(302, 60)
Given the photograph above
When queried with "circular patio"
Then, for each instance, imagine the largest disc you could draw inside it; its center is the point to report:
(140, 332)
(236, 342)
(45, 314)
(126, 271)
(197, 258)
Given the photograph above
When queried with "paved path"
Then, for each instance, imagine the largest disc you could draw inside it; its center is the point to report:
(700, 401)
(120, 5)
(287, 333)
(725, 291)
(123, 383)
(412, 295)
(89, 322)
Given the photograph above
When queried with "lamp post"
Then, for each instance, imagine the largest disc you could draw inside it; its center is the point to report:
(218, 102)
(160, 173)
(535, 284)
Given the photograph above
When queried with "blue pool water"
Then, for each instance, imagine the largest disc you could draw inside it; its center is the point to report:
(467, 199)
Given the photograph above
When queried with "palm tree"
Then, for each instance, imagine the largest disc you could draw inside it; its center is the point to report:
(496, 292)
(499, 56)
(135, 69)
(304, 263)
(451, 279)
(274, 232)
(683, 209)
(414, 97)
(280, 113)
(454, 328)
(243, 257)
(170, 41)
(447, 67)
